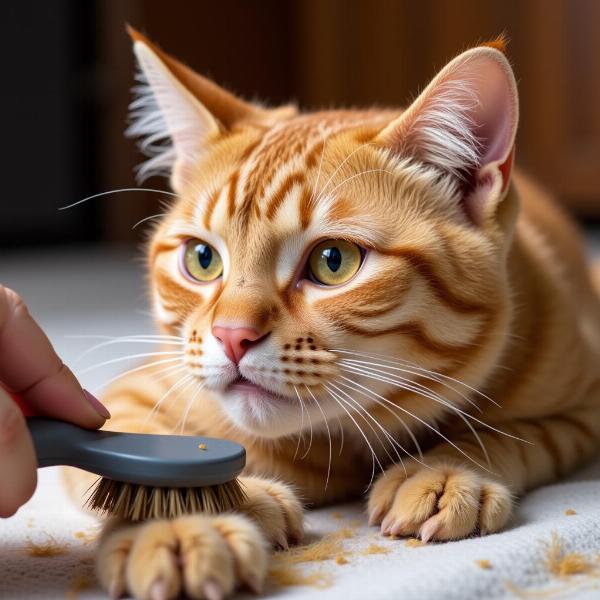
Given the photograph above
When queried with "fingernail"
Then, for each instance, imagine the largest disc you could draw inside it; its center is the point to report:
(97, 405)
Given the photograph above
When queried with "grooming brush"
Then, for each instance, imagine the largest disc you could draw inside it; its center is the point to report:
(145, 476)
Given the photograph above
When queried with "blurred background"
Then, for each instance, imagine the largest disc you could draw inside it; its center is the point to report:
(67, 71)
(68, 67)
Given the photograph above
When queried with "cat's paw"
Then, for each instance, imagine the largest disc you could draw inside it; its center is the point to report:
(195, 556)
(276, 507)
(445, 502)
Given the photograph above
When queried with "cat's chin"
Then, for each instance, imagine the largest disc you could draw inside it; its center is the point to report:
(258, 410)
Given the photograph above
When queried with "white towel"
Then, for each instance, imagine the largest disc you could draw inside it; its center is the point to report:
(517, 556)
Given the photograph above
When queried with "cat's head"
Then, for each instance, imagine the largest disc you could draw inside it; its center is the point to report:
(338, 264)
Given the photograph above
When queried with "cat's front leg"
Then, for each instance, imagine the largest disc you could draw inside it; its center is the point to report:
(451, 498)
(201, 556)
(444, 500)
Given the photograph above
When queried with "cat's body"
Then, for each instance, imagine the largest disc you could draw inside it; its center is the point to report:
(453, 290)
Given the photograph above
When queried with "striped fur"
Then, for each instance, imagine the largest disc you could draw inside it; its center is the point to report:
(475, 338)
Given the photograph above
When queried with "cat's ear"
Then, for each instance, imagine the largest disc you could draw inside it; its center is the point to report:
(177, 112)
(464, 124)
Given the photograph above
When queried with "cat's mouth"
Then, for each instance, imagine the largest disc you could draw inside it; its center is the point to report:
(253, 391)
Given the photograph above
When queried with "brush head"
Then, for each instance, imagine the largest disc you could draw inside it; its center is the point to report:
(140, 502)
(145, 476)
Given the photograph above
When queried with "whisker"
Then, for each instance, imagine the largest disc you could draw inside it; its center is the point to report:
(141, 368)
(132, 335)
(358, 175)
(341, 427)
(375, 458)
(166, 373)
(310, 422)
(430, 427)
(190, 403)
(129, 357)
(365, 364)
(125, 340)
(412, 436)
(157, 216)
(386, 433)
(116, 192)
(409, 371)
(185, 380)
(445, 402)
(435, 398)
(301, 433)
(328, 433)
(390, 359)
(340, 166)
(314, 194)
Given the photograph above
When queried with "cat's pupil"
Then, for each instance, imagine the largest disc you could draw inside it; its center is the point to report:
(204, 255)
(334, 258)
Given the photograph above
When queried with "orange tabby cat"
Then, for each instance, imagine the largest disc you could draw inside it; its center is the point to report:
(358, 297)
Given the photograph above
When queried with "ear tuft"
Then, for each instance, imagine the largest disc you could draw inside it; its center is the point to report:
(170, 122)
(148, 126)
(465, 119)
(500, 43)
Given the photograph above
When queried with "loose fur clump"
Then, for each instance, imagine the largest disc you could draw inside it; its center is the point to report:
(88, 536)
(78, 585)
(140, 503)
(563, 564)
(285, 576)
(413, 543)
(375, 549)
(327, 548)
(285, 571)
(50, 548)
(576, 570)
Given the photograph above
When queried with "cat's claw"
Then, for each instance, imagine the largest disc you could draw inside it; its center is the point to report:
(447, 501)
(212, 590)
(159, 590)
(375, 517)
(388, 524)
(115, 589)
(429, 529)
(253, 583)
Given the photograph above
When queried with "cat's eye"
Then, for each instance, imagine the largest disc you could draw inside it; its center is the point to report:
(201, 261)
(333, 262)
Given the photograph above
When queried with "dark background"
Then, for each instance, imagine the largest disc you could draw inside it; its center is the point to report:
(67, 71)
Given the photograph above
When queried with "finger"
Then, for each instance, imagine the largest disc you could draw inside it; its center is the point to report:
(30, 367)
(18, 463)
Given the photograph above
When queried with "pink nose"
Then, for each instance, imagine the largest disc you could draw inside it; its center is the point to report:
(236, 340)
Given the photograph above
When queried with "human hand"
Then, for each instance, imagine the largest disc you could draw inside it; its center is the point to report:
(31, 370)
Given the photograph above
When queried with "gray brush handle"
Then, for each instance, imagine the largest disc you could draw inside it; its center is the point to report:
(145, 459)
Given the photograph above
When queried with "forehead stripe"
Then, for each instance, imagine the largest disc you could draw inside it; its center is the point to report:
(233, 181)
(210, 207)
(296, 178)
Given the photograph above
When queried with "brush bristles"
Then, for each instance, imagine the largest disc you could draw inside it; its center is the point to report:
(138, 502)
